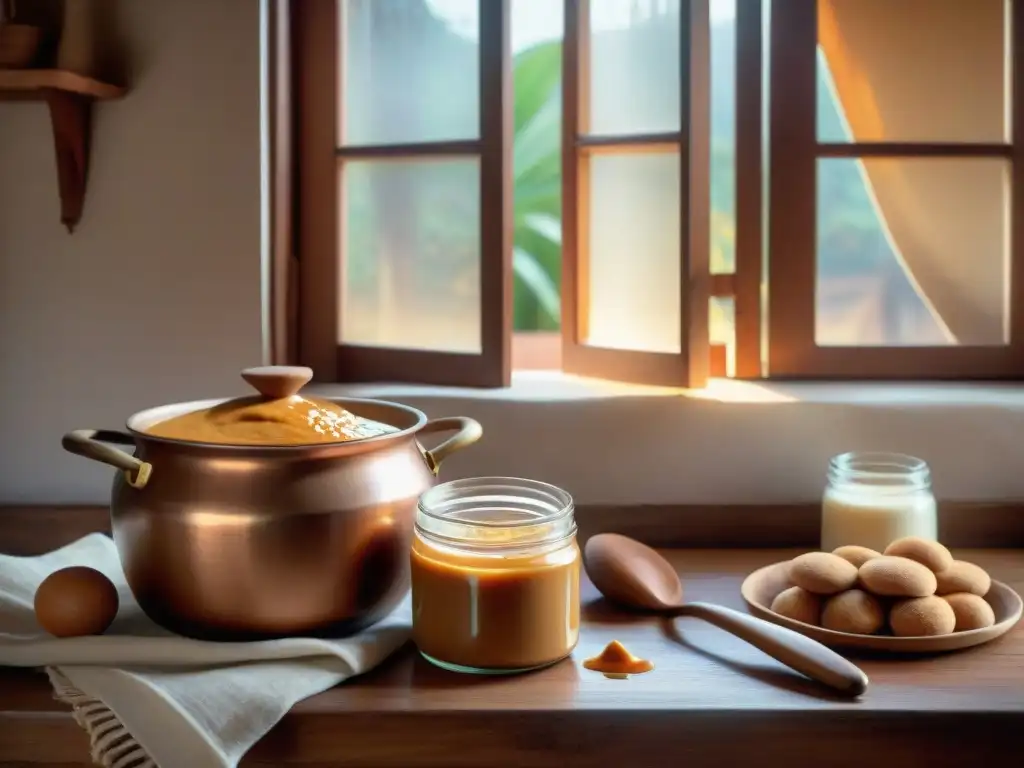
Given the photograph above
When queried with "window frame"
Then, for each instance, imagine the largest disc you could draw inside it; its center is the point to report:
(321, 157)
(279, 256)
(302, 72)
(794, 146)
(745, 284)
(690, 366)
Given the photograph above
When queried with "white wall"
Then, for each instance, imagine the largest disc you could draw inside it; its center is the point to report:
(156, 296)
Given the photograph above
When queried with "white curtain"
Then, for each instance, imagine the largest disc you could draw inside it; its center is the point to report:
(932, 71)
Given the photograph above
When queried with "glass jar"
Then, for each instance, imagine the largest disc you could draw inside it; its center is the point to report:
(495, 575)
(873, 499)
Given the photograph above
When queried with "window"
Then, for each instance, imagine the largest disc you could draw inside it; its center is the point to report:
(895, 187)
(656, 190)
(405, 191)
(636, 190)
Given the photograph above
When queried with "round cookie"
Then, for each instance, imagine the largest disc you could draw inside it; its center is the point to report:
(856, 554)
(854, 611)
(929, 553)
(971, 611)
(962, 576)
(822, 573)
(891, 576)
(922, 617)
(798, 604)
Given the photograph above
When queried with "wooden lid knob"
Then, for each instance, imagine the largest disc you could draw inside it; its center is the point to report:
(278, 381)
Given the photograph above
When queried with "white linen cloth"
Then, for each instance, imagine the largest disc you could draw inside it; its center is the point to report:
(149, 698)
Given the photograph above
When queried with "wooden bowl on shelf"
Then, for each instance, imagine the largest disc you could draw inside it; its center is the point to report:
(19, 45)
(760, 588)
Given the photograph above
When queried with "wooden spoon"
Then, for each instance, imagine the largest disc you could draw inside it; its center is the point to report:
(631, 574)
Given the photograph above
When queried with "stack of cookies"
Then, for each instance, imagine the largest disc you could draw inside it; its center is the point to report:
(913, 589)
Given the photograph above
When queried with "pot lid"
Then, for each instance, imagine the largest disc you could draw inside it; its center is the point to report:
(277, 416)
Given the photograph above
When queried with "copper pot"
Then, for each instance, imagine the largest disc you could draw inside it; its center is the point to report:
(240, 541)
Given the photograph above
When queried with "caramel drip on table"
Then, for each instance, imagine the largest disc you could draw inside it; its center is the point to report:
(617, 663)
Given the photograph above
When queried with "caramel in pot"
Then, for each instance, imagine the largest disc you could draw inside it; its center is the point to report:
(293, 420)
(279, 416)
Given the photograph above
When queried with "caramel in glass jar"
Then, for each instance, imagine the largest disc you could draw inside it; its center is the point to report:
(495, 575)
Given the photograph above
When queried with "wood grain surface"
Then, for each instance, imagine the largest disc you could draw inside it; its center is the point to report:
(711, 701)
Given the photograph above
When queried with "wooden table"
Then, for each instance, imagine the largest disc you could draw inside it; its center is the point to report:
(711, 701)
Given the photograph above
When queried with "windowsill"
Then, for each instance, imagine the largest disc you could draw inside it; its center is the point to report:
(555, 386)
(527, 386)
(733, 443)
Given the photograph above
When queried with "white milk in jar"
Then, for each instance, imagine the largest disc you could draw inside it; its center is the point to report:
(873, 499)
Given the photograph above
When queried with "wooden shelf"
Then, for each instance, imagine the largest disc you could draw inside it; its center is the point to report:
(34, 83)
(70, 97)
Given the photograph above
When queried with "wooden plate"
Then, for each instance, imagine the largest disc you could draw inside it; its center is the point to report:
(760, 588)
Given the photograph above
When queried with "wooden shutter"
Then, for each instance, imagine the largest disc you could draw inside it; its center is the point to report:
(670, 350)
(745, 286)
(403, 216)
(279, 197)
(795, 151)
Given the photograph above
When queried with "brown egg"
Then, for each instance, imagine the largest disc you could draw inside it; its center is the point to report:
(76, 601)
(971, 611)
(798, 604)
(854, 611)
(822, 573)
(928, 553)
(855, 554)
(962, 576)
(922, 617)
(891, 576)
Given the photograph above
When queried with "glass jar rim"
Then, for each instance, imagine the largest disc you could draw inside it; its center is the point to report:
(878, 462)
(456, 513)
(879, 467)
(436, 498)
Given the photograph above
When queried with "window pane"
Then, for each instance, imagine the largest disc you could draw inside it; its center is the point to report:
(634, 66)
(634, 256)
(410, 71)
(723, 136)
(913, 70)
(411, 263)
(912, 252)
(722, 328)
(537, 31)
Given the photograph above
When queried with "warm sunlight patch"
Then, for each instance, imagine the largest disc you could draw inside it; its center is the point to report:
(733, 391)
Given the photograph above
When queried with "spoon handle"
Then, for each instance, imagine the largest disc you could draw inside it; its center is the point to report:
(796, 651)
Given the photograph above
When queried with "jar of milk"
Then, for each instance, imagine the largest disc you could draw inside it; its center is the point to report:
(873, 499)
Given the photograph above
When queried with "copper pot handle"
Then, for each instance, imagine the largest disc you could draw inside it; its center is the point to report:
(91, 443)
(469, 431)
